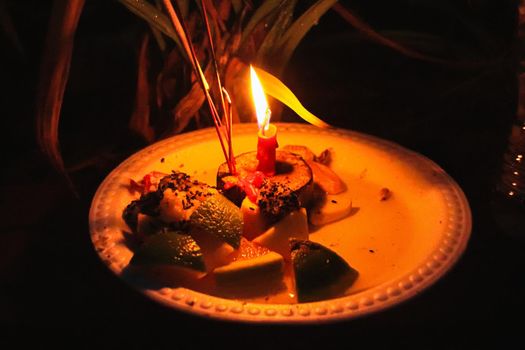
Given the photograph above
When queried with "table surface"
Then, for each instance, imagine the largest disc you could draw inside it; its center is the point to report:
(51, 278)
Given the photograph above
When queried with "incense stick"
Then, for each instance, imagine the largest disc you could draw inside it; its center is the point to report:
(230, 122)
(214, 58)
(183, 33)
(227, 114)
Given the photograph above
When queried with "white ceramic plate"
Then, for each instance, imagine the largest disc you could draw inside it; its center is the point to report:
(399, 246)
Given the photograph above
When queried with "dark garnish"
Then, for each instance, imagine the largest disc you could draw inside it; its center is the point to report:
(276, 199)
(147, 204)
(384, 194)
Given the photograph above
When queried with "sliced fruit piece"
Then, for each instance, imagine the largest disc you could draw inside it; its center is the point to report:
(249, 250)
(331, 208)
(254, 221)
(253, 272)
(170, 248)
(326, 178)
(173, 207)
(179, 203)
(302, 151)
(319, 272)
(269, 265)
(323, 175)
(219, 217)
(277, 237)
(215, 251)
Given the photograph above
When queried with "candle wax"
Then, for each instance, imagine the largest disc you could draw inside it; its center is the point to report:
(266, 146)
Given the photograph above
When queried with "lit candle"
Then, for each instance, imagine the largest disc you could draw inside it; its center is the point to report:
(267, 135)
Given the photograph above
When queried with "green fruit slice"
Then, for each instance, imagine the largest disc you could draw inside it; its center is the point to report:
(170, 248)
(219, 217)
(319, 272)
(265, 266)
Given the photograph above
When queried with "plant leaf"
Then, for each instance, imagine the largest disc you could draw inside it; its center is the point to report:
(187, 107)
(236, 80)
(184, 7)
(260, 14)
(298, 30)
(267, 48)
(225, 9)
(179, 26)
(426, 44)
(479, 35)
(155, 18)
(156, 33)
(237, 5)
(54, 73)
(140, 119)
(191, 103)
(276, 88)
(385, 39)
(214, 15)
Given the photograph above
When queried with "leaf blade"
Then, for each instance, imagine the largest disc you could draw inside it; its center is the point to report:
(299, 28)
(262, 12)
(282, 23)
(278, 90)
(155, 18)
(54, 73)
(140, 119)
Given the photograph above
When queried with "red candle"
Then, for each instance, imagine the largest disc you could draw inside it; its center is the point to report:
(266, 146)
(267, 135)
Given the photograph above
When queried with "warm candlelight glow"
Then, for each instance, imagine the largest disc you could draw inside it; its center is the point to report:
(259, 99)
(267, 135)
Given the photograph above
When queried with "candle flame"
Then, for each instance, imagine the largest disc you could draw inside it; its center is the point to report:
(259, 99)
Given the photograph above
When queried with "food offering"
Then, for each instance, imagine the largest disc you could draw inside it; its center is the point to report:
(248, 235)
(346, 225)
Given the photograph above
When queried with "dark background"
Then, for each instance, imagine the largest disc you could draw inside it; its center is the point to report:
(458, 115)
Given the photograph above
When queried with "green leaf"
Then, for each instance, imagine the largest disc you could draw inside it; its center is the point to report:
(155, 18)
(156, 33)
(276, 88)
(298, 30)
(449, 11)
(266, 9)
(267, 49)
(421, 46)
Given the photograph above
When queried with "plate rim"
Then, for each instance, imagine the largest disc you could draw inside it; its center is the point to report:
(386, 295)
